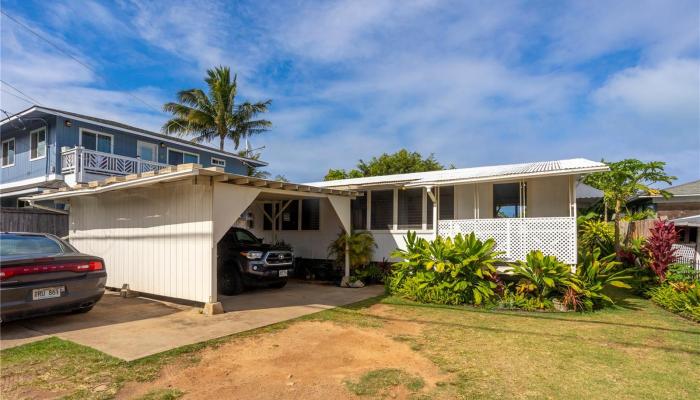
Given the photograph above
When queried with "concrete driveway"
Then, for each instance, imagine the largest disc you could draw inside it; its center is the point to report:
(137, 327)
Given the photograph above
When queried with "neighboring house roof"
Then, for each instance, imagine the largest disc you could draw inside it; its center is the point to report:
(176, 173)
(476, 174)
(693, 220)
(584, 191)
(130, 128)
(686, 189)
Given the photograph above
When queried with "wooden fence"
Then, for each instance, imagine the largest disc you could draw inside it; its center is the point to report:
(33, 220)
(636, 229)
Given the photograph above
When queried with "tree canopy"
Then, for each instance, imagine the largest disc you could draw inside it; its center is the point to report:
(215, 114)
(400, 162)
(627, 179)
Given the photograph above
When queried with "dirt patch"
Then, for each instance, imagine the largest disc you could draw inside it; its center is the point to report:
(309, 360)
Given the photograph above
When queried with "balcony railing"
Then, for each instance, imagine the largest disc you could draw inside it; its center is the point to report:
(81, 161)
(518, 236)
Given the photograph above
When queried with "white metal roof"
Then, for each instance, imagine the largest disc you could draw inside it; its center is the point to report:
(573, 166)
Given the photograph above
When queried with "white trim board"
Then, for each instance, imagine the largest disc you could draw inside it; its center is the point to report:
(39, 179)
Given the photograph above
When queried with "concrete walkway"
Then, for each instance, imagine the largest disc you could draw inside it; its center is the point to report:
(137, 327)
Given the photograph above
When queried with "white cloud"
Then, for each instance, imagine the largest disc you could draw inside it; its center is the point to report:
(669, 90)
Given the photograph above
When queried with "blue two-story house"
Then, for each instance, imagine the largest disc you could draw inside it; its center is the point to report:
(44, 148)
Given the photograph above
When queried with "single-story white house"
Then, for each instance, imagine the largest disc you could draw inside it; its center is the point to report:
(158, 231)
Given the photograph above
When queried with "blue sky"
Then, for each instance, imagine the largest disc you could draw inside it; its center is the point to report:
(475, 83)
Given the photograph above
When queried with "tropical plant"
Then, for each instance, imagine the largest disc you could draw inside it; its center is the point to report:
(541, 276)
(680, 272)
(593, 274)
(445, 270)
(625, 180)
(660, 247)
(360, 246)
(679, 297)
(215, 114)
(596, 234)
(400, 162)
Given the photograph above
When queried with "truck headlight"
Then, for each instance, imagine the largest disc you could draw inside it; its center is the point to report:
(252, 255)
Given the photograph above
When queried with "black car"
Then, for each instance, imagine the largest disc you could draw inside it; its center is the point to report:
(245, 261)
(41, 274)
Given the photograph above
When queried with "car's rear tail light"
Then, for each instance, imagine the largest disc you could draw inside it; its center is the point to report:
(9, 272)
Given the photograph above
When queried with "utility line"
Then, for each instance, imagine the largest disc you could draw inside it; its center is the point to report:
(14, 95)
(20, 92)
(76, 59)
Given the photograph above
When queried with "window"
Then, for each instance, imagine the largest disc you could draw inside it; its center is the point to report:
(507, 200)
(24, 245)
(358, 213)
(37, 143)
(382, 217)
(290, 217)
(410, 208)
(310, 214)
(245, 237)
(177, 157)
(96, 141)
(8, 152)
(147, 151)
(217, 162)
(447, 202)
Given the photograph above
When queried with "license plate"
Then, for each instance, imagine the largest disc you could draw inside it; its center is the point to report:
(283, 273)
(48, 293)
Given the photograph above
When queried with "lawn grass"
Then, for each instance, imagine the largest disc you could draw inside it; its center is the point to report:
(635, 350)
(374, 382)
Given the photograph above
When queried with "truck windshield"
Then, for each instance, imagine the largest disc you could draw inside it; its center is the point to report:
(245, 237)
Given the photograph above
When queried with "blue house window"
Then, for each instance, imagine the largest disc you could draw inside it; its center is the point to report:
(8, 152)
(96, 141)
(176, 157)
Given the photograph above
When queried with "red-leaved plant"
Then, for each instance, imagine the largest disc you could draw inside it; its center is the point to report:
(660, 247)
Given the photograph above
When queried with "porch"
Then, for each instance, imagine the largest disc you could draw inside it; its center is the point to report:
(81, 165)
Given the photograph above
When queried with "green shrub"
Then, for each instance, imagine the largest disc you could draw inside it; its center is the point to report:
(596, 234)
(593, 274)
(679, 297)
(541, 277)
(445, 270)
(680, 272)
(511, 300)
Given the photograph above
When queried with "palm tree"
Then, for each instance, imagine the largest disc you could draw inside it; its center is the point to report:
(215, 114)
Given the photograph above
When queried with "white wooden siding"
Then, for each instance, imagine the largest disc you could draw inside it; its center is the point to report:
(157, 239)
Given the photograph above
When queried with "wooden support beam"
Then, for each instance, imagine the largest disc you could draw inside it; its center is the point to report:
(276, 185)
(260, 183)
(94, 184)
(113, 179)
(131, 177)
(241, 181)
(221, 178)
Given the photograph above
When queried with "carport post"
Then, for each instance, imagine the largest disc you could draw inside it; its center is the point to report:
(341, 206)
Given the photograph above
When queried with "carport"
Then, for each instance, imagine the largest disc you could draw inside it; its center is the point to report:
(158, 231)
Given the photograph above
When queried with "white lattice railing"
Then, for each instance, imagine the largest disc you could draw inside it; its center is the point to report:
(79, 161)
(518, 236)
(686, 254)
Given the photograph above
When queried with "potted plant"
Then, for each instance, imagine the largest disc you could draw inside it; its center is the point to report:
(360, 247)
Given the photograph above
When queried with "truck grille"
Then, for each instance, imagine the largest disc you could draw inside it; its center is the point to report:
(279, 258)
